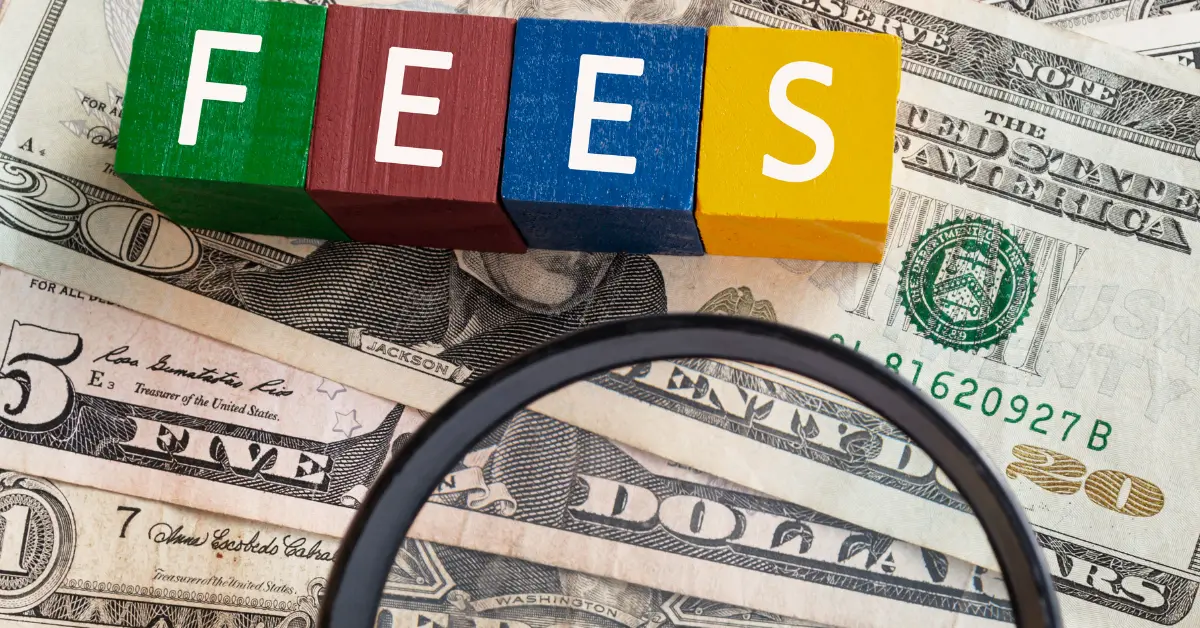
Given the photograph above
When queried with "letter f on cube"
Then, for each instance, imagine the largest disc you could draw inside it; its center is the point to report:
(199, 89)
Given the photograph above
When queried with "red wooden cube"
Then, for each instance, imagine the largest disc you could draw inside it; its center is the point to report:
(409, 128)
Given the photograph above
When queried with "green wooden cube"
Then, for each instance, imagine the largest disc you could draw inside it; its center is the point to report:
(218, 115)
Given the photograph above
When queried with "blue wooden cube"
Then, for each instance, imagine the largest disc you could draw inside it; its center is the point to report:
(600, 150)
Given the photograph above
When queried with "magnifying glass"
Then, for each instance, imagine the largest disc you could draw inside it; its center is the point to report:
(498, 514)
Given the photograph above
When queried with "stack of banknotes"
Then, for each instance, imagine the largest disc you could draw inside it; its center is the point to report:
(189, 419)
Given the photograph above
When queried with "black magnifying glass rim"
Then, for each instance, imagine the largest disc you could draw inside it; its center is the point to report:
(379, 527)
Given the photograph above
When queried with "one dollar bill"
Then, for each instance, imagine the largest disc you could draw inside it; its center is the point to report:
(76, 556)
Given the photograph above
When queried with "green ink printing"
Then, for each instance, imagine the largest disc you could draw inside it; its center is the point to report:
(967, 284)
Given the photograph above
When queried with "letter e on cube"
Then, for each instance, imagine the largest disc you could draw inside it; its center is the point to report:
(603, 125)
(409, 128)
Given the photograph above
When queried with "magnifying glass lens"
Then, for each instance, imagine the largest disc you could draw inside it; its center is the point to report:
(697, 492)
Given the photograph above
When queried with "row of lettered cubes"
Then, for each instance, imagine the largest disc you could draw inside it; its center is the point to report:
(494, 134)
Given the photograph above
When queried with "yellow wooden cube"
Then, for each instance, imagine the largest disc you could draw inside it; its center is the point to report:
(796, 138)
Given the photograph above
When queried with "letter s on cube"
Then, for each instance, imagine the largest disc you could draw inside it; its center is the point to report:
(218, 115)
(796, 143)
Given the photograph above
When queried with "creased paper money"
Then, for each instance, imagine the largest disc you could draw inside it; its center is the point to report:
(100, 396)
(126, 403)
(440, 586)
(1061, 173)
(632, 516)
(84, 557)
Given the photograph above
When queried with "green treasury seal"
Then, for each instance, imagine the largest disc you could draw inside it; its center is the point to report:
(967, 283)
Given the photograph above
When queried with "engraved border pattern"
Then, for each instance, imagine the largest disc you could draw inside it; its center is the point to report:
(32, 58)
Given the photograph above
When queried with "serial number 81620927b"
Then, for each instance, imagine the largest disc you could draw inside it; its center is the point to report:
(965, 393)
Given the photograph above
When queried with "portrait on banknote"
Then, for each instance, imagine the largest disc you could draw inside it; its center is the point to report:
(471, 309)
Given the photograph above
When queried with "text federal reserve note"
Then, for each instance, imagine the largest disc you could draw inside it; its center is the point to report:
(74, 556)
(1174, 38)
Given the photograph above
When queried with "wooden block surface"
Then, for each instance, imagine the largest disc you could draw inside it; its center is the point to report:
(410, 127)
(600, 152)
(790, 166)
(218, 114)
